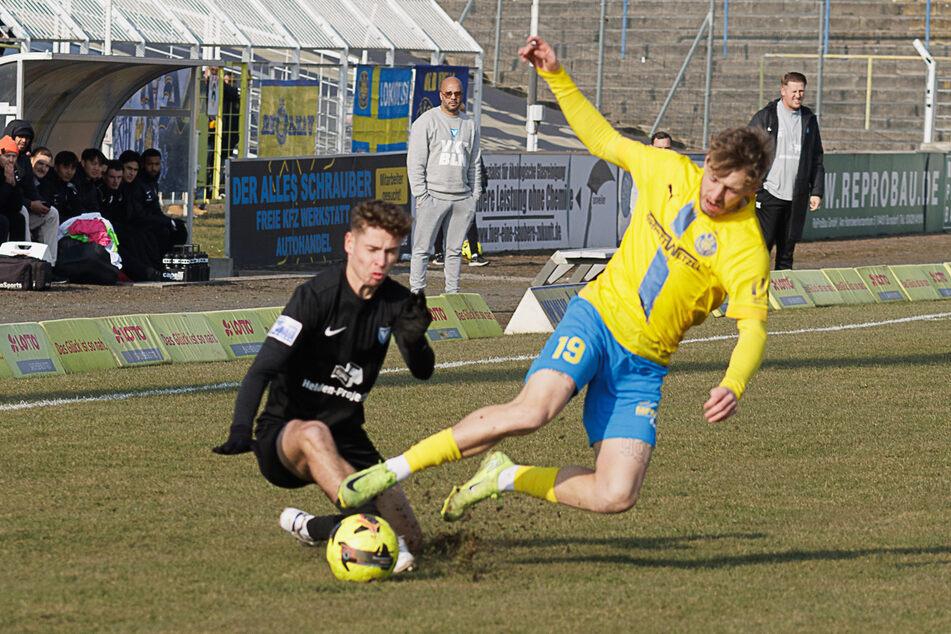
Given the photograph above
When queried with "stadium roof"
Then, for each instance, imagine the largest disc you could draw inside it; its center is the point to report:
(201, 25)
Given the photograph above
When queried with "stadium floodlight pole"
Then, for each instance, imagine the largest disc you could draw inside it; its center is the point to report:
(823, 32)
(531, 124)
(928, 136)
(498, 39)
(709, 79)
(597, 98)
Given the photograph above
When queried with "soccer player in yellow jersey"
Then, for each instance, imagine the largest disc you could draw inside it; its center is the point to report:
(693, 240)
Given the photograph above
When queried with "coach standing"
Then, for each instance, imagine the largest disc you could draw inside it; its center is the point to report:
(442, 164)
(796, 178)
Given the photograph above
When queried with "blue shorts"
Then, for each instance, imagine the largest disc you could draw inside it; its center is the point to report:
(623, 388)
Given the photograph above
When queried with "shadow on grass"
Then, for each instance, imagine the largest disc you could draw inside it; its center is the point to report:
(814, 363)
(463, 547)
(733, 561)
(477, 374)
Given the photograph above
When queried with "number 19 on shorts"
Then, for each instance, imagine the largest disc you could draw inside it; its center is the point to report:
(570, 349)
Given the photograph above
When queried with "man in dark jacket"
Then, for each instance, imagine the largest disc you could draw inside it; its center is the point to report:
(796, 180)
(147, 207)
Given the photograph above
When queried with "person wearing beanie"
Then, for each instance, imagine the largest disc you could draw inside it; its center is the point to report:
(12, 222)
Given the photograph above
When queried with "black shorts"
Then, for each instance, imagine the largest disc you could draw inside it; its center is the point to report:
(352, 442)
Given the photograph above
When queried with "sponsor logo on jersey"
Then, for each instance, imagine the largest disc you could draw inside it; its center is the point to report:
(285, 330)
(350, 374)
(330, 332)
(330, 390)
(706, 244)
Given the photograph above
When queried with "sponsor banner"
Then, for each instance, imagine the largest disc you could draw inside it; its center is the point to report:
(241, 332)
(268, 315)
(428, 79)
(152, 118)
(474, 315)
(381, 103)
(940, 278)
(818, 287)
(939, 218)
(445, 324)
(187, 337)
(915, 281)
(870, 194)
(285, 212)
(850, 286)
(5, 371)
(132, 340)
(80, 344)
(594, 194)
(785, 291)
(28, 351)
(547, 201)
(541, 308)
(287, 125)
(526, 202)
(883, 283)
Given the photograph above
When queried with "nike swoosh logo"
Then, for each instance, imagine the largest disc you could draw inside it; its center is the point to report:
(330, 332)
(350, 483)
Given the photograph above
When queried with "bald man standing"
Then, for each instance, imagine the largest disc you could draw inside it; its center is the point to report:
(442, 163)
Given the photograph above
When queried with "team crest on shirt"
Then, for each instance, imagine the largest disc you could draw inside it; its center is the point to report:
(383, 333)
(706, 244)
(454, 132)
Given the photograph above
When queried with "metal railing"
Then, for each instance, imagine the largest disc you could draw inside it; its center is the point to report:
(870, 59)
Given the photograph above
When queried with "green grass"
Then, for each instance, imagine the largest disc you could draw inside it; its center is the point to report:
(208, 230)
(823, 505)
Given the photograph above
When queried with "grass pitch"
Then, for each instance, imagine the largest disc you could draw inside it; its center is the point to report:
(822, 505)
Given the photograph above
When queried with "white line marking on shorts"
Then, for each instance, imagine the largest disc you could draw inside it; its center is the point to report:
(449, 364)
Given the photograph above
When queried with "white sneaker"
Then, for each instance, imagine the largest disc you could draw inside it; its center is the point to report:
(294, 521)
(405, 562)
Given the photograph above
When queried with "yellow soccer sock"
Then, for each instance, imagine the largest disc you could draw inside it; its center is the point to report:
(537, 481)
(432, 451)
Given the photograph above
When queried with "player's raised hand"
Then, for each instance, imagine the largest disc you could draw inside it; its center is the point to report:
(539, 54)
(721, 404)
(236, 443)
(414, 318)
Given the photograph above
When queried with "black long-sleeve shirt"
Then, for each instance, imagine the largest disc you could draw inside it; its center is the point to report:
(324, 353)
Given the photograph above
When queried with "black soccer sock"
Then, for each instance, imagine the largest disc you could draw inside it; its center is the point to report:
(320, 527)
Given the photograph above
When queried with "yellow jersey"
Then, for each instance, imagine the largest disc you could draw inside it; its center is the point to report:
(675, 264)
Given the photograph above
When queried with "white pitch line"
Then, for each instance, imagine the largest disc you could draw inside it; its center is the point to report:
(116, 397)
(449, 364)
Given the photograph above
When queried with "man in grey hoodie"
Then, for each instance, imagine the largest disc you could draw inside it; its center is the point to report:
(442, 164)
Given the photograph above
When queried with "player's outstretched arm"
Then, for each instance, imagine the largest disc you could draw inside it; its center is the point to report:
(410, 327)
(539, 54)
(721, 405)
(592, 128)
(270, 359)
(745, 360)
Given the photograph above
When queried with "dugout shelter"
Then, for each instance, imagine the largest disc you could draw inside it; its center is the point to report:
(68, 67)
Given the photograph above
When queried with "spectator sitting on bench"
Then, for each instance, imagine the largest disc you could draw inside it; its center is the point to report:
(138, 248)
(58, 188)
(93, 164)
(12, 222)
(147, 208)
(43, 226)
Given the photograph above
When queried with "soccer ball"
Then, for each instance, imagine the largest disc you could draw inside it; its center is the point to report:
(362, 547)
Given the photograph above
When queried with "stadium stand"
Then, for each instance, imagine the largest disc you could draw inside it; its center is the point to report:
(659, 34)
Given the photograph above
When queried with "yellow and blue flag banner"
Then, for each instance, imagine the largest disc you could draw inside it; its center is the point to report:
(288, 118)
(381, 109)
(429, 79)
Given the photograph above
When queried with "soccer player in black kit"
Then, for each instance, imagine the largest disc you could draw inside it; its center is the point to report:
(320, 360)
